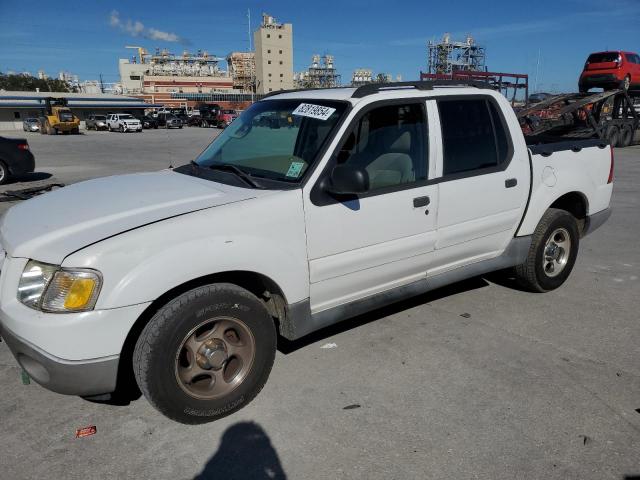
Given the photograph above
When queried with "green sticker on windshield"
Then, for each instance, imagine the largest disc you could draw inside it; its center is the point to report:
(294, 169)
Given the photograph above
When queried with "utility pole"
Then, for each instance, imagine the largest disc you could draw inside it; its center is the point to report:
(249, 28)
(535, 82)
(101, 85)
(253, 75)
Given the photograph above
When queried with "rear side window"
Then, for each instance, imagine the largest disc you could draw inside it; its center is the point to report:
(473, 135)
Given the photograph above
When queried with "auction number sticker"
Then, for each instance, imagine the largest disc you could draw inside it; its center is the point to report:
(313, 111)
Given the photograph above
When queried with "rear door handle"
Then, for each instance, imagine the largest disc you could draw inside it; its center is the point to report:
(421, 202)
(511, 182)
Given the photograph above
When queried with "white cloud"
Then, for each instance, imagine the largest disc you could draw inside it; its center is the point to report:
(137, 29)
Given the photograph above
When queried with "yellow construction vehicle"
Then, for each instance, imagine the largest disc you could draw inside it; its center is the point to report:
(58, 118)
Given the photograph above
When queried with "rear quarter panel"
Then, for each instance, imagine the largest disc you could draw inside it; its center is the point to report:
(585, 172)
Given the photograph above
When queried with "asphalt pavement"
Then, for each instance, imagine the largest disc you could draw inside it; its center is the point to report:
(478, 380)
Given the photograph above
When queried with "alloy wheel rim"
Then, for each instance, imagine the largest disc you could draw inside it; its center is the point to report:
(214, 358)
(556, 252)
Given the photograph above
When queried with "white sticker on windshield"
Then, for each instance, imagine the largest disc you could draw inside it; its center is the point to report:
(313, 111)
(294, 169)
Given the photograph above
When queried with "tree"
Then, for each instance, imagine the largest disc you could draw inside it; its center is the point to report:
(28, 83)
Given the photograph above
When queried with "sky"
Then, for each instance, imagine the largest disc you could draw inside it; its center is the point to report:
(550, 37)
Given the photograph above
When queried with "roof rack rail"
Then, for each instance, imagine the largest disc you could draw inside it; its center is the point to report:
(373, 88)
(293, 90)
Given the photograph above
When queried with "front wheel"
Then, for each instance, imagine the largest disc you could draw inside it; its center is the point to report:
(206, 354)
(553, 252)
(121, 129)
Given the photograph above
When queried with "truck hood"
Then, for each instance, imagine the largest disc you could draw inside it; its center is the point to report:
(51, 226)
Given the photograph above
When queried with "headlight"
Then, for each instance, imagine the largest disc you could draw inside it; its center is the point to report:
(53, 289)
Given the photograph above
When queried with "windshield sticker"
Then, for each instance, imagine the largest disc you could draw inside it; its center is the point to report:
(294, 169)
(313, 111)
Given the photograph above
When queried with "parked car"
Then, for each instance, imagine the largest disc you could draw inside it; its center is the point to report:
(149, 122)
(611, 70)
(123, 122)
(184, 277)
(225, 117)
(209, 115)
(96, 122)
(194, 121)
(15, 159)
(168, 120)
(30, 125)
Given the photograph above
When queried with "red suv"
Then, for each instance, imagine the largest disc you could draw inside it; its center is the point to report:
(611, 70)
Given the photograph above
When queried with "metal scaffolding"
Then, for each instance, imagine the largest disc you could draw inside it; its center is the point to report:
(322, 73)
(242, 68)
(449, 56)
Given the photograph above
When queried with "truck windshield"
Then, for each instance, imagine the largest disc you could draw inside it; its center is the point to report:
(126, 117)
(275, 139)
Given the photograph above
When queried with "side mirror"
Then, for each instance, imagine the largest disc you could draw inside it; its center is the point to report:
(348, 180)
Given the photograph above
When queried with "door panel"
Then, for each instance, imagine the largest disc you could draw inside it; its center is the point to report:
(385, 238)
(482, 201)
(384, 241)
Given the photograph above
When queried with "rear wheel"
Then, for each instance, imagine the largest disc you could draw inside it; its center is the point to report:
(205, 354)
(553, 252)
(626, 83)
(612, 135)
(4, 173)
(625, 137)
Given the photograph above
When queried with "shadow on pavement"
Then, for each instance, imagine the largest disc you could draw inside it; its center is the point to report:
(27, 178)
(286, 346)
(245, 452)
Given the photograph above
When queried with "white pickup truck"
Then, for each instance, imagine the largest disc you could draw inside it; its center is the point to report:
(123, 122)
(313, 206)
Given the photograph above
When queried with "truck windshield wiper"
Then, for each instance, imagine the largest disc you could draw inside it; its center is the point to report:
(227, 167)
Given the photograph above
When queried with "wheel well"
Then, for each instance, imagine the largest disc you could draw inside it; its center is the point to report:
(264, 288)
(576, 204)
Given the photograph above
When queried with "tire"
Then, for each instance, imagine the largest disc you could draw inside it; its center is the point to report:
(612, 135)
(76, 131)
(625, 137)
(180, 127)
(4, 173)
(109, 128)
(626, 83)
(121, 129)
(161, 360)
(535, 274)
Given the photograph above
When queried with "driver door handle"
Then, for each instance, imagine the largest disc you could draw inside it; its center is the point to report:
(421, 202)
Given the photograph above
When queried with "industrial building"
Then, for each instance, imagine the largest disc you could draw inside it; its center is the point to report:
(361, 76)
(466, 61)
(274, 55)
(16, 106)
(242, 68)
(154, 77)
(321, 73)
(448, 56)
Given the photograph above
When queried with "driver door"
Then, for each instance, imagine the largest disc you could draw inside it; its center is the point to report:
(383, 239)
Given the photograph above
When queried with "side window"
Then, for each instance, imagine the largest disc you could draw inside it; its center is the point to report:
(502, 144)
(473, 135)
(390, 143)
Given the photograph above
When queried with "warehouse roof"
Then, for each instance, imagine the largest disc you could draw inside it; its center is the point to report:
(35, 100)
